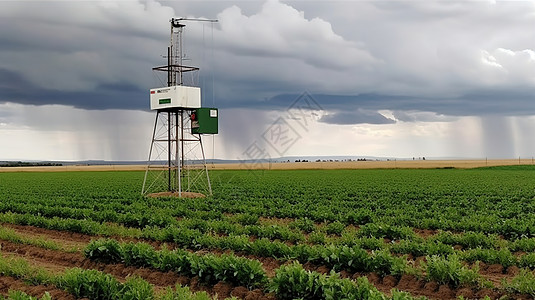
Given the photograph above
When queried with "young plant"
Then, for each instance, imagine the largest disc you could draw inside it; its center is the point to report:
(19, 295)
(450, 270)
(523, 283)
(90, 284)
(104, 250)
(135, 288)
(335, 228)
(294, 282)
(303, 224)
(183, 292)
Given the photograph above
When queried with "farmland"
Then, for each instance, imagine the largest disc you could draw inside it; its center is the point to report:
(272, 234)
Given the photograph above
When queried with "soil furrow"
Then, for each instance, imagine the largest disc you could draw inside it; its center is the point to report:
(420, 287)
(80, 241)
(10, 283)
(58, 261)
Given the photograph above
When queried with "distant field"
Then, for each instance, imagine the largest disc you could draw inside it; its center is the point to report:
(401, 164)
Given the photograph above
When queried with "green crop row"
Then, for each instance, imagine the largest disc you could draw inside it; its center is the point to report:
(273, 232)
(290, 281)
(8, 234)
(90, 284)
(194, 239)
(320, 254)
(329, 255)
(445, 270)
(450, 270)
(72, 225)
(234, 269)
(19, 295)
(491, 202)
(487, 201)
(94, 284)
(209, 268)
(294, 282)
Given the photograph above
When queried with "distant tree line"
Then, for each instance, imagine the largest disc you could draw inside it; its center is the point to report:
(332, 160)
(28, 164)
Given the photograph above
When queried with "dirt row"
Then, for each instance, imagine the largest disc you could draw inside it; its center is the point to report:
(58, 261)
(9, 283)
(420, 287)
(75, 240)
(424, 233)
(79, 241)
(430, 289)
(72, 240)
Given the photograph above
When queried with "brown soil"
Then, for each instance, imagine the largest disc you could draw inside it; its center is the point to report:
(79, 241)
(58, 261)
(513, 270)
(65, 239)
(43, 257)
(420, 287)
(9, 283)
(177, 195)
(269, 264)
(425, 233)
(274, 220)
(71, 240)
(432, 290)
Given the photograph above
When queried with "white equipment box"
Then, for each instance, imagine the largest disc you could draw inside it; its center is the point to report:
(178, 96)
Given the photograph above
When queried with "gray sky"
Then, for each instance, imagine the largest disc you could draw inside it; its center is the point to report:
(390, 78)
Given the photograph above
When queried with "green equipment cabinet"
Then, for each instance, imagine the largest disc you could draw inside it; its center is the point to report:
(204, 121)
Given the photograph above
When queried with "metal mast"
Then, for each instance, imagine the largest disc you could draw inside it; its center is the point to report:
(173, 142)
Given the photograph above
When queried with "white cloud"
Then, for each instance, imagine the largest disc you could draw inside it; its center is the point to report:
(506, 68)
(280, 31)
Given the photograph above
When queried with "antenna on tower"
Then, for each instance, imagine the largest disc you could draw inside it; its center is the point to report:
(177, 163)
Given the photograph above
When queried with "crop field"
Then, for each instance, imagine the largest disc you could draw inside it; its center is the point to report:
(271, 234)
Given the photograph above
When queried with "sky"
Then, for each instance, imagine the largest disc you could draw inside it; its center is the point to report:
(396, 79)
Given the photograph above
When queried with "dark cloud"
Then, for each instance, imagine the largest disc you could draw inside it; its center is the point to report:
(418, 116)
(480, 103)
(356, 117)
(366, 56)
(341, 102)
(15, 88)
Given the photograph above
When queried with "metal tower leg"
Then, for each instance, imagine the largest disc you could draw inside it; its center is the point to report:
(144, 189)
(205, 167)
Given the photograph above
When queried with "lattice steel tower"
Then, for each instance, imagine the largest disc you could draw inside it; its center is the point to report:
(177, 162)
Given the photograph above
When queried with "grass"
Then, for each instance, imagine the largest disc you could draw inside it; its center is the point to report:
(8, 234)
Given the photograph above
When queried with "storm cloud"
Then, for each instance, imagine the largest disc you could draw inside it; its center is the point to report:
(98, 55)
(373, 63)
(356, 117)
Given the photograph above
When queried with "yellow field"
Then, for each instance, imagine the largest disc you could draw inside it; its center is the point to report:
(403, 164)
(400, 164)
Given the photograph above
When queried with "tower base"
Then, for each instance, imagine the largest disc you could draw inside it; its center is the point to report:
(176, 195)
(176, 164)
